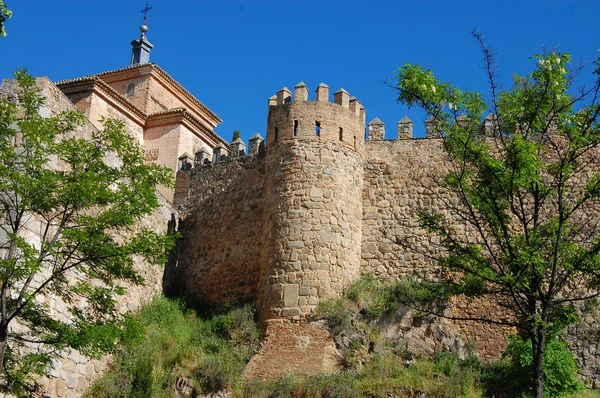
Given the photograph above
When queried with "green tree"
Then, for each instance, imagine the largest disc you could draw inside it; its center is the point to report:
(527, 182)
(5, 14)
(236, 135)
(67, 229)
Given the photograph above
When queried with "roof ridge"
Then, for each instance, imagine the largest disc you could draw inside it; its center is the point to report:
(161, 72)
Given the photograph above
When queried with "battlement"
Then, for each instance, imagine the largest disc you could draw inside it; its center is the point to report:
(220, 153)
(376, 128)
(296, 117)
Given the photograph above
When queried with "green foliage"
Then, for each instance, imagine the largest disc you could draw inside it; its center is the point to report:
(5, 14)
(375, 297)
(372, 296)
(383, 376)
(336, 314)
(527, 187)
(81, 197)
(513, 374)
(211, 352)
(236, 135)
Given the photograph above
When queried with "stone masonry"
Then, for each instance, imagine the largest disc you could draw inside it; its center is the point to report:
(308, 210)
(318, 208)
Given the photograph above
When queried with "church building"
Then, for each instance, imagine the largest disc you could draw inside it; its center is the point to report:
(166, 119)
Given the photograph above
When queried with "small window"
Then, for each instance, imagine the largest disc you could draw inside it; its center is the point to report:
(318, 129)
(131, 90)
(276, 134)
(341, 134)
(295, 127)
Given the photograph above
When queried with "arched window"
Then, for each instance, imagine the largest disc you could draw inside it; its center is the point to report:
(131, 90)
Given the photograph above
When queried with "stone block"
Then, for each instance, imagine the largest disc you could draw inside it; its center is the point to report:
(322, 275)
(290, 295)
(71, 381)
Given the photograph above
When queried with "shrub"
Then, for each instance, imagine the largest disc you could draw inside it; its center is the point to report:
(336, 314)
(514, 373)
(373, 296)
(212, 352)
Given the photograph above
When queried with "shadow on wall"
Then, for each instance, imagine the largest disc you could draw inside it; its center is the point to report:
(172, 280)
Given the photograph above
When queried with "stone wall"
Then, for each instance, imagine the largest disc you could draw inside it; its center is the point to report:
(401, 178)
(219, 254)
(312, 228)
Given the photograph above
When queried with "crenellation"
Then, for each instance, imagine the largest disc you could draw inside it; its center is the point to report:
(341, 97)
(323, 92)
(292, 225)
(219, 153)
(405, 128)
(376, 130)
(301, 92)
(284, 96)
(491, 126)
(462, 120)
(254, 144)
(185, 162)
(201, 157)
(317, 120)
(355, 106)
(432, 128)
(237, 148)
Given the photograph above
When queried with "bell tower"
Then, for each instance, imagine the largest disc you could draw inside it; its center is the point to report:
(140, 53)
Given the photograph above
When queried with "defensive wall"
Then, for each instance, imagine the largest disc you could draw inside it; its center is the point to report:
(312, 208)
(295, 218)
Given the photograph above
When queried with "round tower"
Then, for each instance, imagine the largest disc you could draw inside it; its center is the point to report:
(313, 193)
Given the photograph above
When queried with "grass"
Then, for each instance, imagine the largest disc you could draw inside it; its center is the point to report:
(174, 342)
(168, 341)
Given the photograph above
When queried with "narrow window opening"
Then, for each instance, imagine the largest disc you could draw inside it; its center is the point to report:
(131, 90)
(341, 134)
(354, 142)
(295, 127)
(318, 129)
(276, 134)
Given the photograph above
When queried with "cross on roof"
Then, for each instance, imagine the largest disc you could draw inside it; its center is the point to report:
(145, 11)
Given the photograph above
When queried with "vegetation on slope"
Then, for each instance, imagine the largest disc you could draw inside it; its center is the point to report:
(183, 351)
(179, 347)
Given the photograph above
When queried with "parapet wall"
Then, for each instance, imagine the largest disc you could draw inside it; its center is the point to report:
(342, 121)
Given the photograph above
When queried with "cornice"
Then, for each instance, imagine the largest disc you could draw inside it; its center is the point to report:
(180, 115)
(101, 87)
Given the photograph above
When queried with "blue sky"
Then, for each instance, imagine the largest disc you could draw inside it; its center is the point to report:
(233, 55)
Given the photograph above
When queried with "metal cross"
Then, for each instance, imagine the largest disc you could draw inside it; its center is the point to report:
(145, 11)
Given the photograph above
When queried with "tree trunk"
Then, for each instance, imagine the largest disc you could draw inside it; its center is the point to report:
(3, 346)
(538, 341)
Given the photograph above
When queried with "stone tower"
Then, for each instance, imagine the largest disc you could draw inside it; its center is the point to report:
(312, 230)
